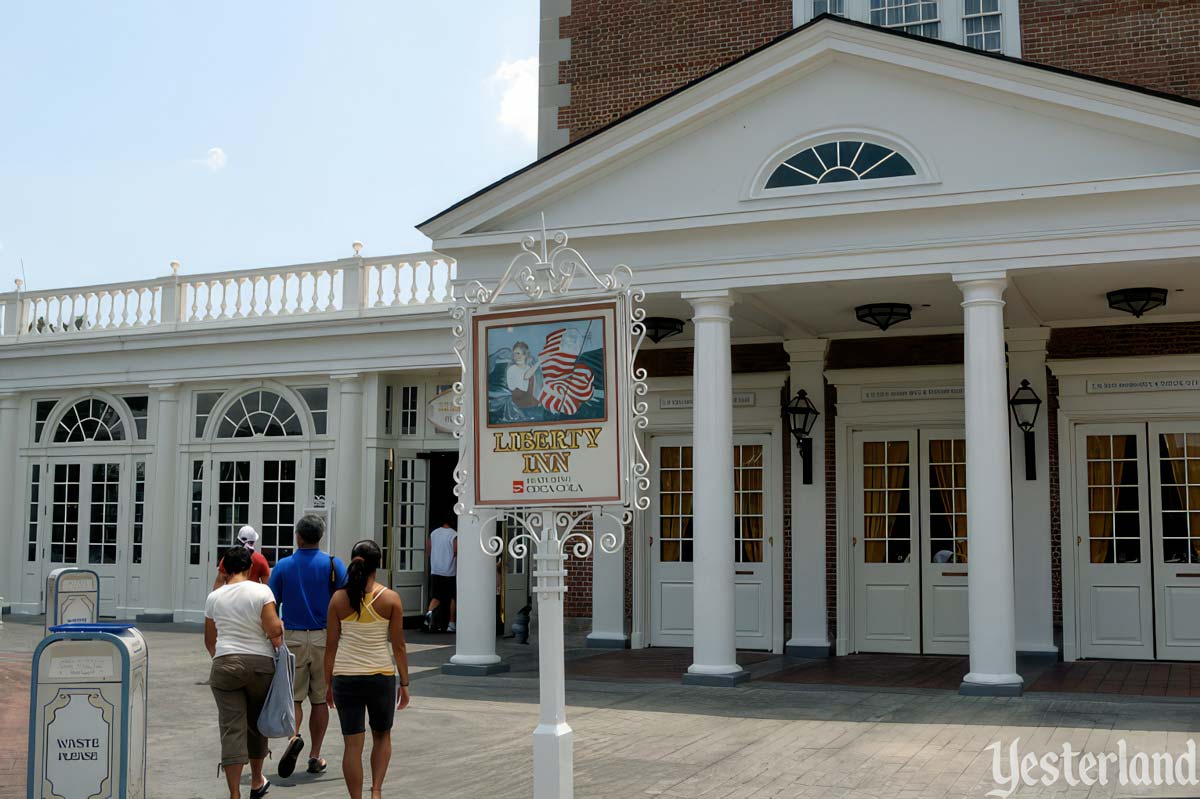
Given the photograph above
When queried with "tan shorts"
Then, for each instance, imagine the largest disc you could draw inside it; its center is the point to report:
(309, 648)
(239, 684)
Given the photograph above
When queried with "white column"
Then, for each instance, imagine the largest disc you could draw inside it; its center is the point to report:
(10, 508)
(475, 639)
(714, 658)
(810, 626)
(989, 492)
(553, 740)
(347, 527)
(164, 572)
(608, 587)
(1031, 500)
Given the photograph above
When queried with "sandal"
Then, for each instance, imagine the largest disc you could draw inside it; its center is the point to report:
(287, 763)
(259, 793)
(316, 765)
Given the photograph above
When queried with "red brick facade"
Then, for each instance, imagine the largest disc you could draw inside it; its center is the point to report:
(1150, 43)
(627, 53)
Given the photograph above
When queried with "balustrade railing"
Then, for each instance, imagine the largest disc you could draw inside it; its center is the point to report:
(350, 286)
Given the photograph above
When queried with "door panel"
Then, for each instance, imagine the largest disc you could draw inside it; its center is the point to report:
(87, 524)
(671, 542)
(885, 544)
(409, 529)
(1175, 499)
(1112, 542)
(944, 542)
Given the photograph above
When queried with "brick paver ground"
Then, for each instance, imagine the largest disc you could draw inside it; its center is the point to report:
(469, 737)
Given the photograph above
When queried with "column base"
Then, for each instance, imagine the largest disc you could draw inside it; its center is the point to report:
(154, 618)
(808, 651)
(1038, 656)
(607, 641)
(1007, 688)
(553, 761)
(727, 680)
(474, 669)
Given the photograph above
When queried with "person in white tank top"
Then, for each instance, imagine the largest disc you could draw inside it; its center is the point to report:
(443, 573)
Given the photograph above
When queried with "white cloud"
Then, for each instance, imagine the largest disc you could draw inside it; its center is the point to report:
(518, 85)
(214, 160)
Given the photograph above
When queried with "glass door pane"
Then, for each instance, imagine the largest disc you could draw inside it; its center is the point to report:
(278, 508)
(105, 498)
(64, 514)
(749, 514)
(233, 502)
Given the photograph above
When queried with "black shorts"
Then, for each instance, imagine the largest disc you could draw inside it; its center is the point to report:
(357, 696)
(443, 588)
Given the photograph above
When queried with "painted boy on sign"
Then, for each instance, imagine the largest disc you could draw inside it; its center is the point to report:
(563, 382)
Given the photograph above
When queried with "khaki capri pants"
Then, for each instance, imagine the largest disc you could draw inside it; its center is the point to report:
(239, 684)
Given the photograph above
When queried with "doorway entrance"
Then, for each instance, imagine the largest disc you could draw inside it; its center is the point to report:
(756, 530)
(908, 541)
(89, 525)
(261, 491)
(1137, 540)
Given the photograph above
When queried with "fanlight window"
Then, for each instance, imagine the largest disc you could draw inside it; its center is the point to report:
(89, 420)
(259, 413)
(840, 162)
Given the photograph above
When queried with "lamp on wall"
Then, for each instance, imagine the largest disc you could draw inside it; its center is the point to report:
(801, 416)
(883, 314)
(661, 327)
(1025, 404)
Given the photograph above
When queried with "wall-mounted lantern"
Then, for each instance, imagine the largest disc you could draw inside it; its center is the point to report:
(1025, 404)
(801, 416)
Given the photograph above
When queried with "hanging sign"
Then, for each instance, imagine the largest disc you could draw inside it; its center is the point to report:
(440, 411)
(547, 398)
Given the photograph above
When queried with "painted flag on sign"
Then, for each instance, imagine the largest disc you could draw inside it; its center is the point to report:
(566, 383)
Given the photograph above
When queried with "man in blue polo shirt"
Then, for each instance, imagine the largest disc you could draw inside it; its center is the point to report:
(303, 584)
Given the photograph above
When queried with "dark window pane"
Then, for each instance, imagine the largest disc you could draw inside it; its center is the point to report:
(1128, 551)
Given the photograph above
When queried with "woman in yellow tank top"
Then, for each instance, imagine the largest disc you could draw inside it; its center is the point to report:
(364, 648)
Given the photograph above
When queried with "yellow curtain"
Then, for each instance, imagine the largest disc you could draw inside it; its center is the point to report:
(1100, 497)
(1178, 454)
(874, 502)
(941, 455)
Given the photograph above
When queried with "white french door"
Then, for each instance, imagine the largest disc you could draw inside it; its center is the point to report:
(1175, 499)
(1112, 543)
(408, 529)
(887, 600)
(671, 541)
(88, 523)
(908, 541)
(260, 490)
(943, 478)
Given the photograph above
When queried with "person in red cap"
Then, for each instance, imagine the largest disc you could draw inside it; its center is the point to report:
(260, 570)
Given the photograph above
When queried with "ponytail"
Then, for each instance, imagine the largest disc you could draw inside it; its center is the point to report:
(364, 560)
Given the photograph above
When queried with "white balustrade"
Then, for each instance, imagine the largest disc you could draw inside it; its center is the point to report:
(349, 286)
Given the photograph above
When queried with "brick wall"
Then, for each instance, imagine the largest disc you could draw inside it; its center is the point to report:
(1055, 499)
(1151, 43)
(626, 53)
(831, 508)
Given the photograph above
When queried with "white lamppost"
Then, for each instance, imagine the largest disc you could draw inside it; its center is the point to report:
(552, 443)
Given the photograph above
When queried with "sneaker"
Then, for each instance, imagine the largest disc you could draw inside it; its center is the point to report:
(450, 628)
(427, 624)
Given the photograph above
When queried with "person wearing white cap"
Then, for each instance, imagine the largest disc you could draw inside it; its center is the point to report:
(260, 570)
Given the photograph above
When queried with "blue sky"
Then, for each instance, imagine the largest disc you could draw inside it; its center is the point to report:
(239, 134)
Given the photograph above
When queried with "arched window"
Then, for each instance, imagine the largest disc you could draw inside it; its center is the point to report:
(89, 420)
(259, 413)
(840, 162)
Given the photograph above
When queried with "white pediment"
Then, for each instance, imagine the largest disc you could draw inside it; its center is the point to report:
(973, 126)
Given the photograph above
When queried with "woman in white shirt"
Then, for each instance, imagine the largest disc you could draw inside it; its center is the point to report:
(241, 632)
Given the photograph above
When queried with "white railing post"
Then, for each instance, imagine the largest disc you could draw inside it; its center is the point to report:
(353, 282)
(12, 312)
(172, 297)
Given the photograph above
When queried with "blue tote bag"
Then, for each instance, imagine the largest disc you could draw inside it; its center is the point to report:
(278, 717)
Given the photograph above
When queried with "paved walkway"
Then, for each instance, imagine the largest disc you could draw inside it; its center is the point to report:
(467, 737)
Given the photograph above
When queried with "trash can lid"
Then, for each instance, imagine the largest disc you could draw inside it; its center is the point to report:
(93, 627)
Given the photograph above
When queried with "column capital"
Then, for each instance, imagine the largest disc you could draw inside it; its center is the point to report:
(710, 306)
(8, 401)
(166, 391)
(806, 350)
(1027, 339)
(982, 288)
(346, 378)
